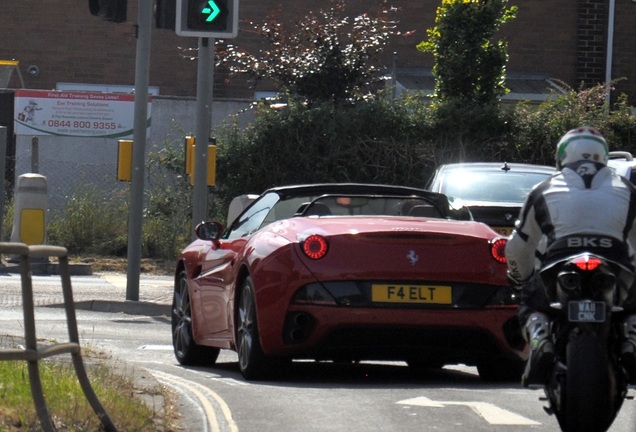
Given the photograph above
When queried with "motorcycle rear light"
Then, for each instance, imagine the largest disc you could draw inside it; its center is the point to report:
(587, 263)
(315, 246)
(498, 249)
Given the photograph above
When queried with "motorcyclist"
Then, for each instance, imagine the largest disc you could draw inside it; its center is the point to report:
(584, 196)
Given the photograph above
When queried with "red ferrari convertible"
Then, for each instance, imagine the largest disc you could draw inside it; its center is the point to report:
(347, 272)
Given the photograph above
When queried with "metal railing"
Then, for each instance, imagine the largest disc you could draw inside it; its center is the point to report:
(31, 353)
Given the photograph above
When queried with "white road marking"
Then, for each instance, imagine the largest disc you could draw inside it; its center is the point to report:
(121, 280)
(205, 397)
(156, 347)
(489, 412)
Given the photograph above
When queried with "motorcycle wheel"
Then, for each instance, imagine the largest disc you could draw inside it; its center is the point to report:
(588, 399)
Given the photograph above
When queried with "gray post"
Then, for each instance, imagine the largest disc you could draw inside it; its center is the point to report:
(3, 158)
(135, 218)
(35, 155)
(205, 74)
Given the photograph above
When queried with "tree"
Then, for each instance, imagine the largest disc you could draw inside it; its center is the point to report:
(535, 130)
(326, 58)
(375, 141)
(469, 65)
(469, 75)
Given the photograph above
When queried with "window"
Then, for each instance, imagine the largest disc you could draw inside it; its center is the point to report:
(253, 217)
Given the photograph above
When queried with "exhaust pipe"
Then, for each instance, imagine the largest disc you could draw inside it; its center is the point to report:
(298, 327)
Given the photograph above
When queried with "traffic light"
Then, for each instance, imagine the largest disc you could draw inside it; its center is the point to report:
(207, 18)
(190, 143)
(109, 10)
(165, 14)
(189, 152)
(124, 160)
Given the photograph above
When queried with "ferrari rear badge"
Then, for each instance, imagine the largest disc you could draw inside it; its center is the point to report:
(412, 257)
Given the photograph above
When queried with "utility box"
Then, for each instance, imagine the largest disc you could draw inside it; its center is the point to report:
(29, 214)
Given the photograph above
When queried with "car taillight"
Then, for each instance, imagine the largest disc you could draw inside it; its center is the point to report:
(498, 249)
(315, 246)
(586, 262)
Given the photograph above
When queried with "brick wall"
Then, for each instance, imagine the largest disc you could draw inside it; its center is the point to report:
(591, 42)
(542, 39)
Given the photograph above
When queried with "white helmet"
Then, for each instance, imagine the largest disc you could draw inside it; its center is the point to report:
(582, 143)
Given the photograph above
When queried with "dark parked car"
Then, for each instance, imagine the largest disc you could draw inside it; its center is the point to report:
(347, 272)
(493, 191)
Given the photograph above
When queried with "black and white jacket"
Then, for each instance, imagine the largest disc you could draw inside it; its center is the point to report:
(585, 197)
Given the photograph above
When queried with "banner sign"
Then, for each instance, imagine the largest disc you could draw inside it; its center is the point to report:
(76, 114)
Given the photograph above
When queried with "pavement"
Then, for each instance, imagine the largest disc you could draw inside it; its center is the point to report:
(100, 292)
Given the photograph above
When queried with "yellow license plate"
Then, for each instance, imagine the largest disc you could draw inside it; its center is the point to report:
(394, 293)
(505, 231)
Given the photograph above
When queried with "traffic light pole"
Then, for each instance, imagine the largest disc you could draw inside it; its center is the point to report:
(206, 19)
(135, 217)
(205, 87)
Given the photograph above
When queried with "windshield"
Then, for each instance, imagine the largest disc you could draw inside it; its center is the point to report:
(273, 207)
(368, 205)
(508, 187)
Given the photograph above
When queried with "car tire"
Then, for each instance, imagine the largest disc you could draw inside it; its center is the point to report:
(253, 364)
(187, 352)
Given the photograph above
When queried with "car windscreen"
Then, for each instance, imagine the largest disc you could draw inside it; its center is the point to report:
(506, 187)
(273, 207)
(369, 205)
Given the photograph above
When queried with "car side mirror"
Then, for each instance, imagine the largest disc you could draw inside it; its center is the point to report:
(210, 231)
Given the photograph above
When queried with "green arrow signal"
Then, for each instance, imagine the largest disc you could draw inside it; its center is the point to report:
(212, 11)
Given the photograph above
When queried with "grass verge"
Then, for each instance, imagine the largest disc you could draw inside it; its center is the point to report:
(125, 402)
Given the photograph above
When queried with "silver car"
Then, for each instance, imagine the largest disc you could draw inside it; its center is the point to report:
(493, 191)
(624, 164)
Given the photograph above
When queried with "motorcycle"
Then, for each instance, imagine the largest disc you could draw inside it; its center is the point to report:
(587, 281)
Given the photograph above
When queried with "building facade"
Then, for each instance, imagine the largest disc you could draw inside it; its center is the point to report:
(58, 42)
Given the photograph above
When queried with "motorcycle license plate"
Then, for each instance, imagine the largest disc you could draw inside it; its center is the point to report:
(586, 311)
